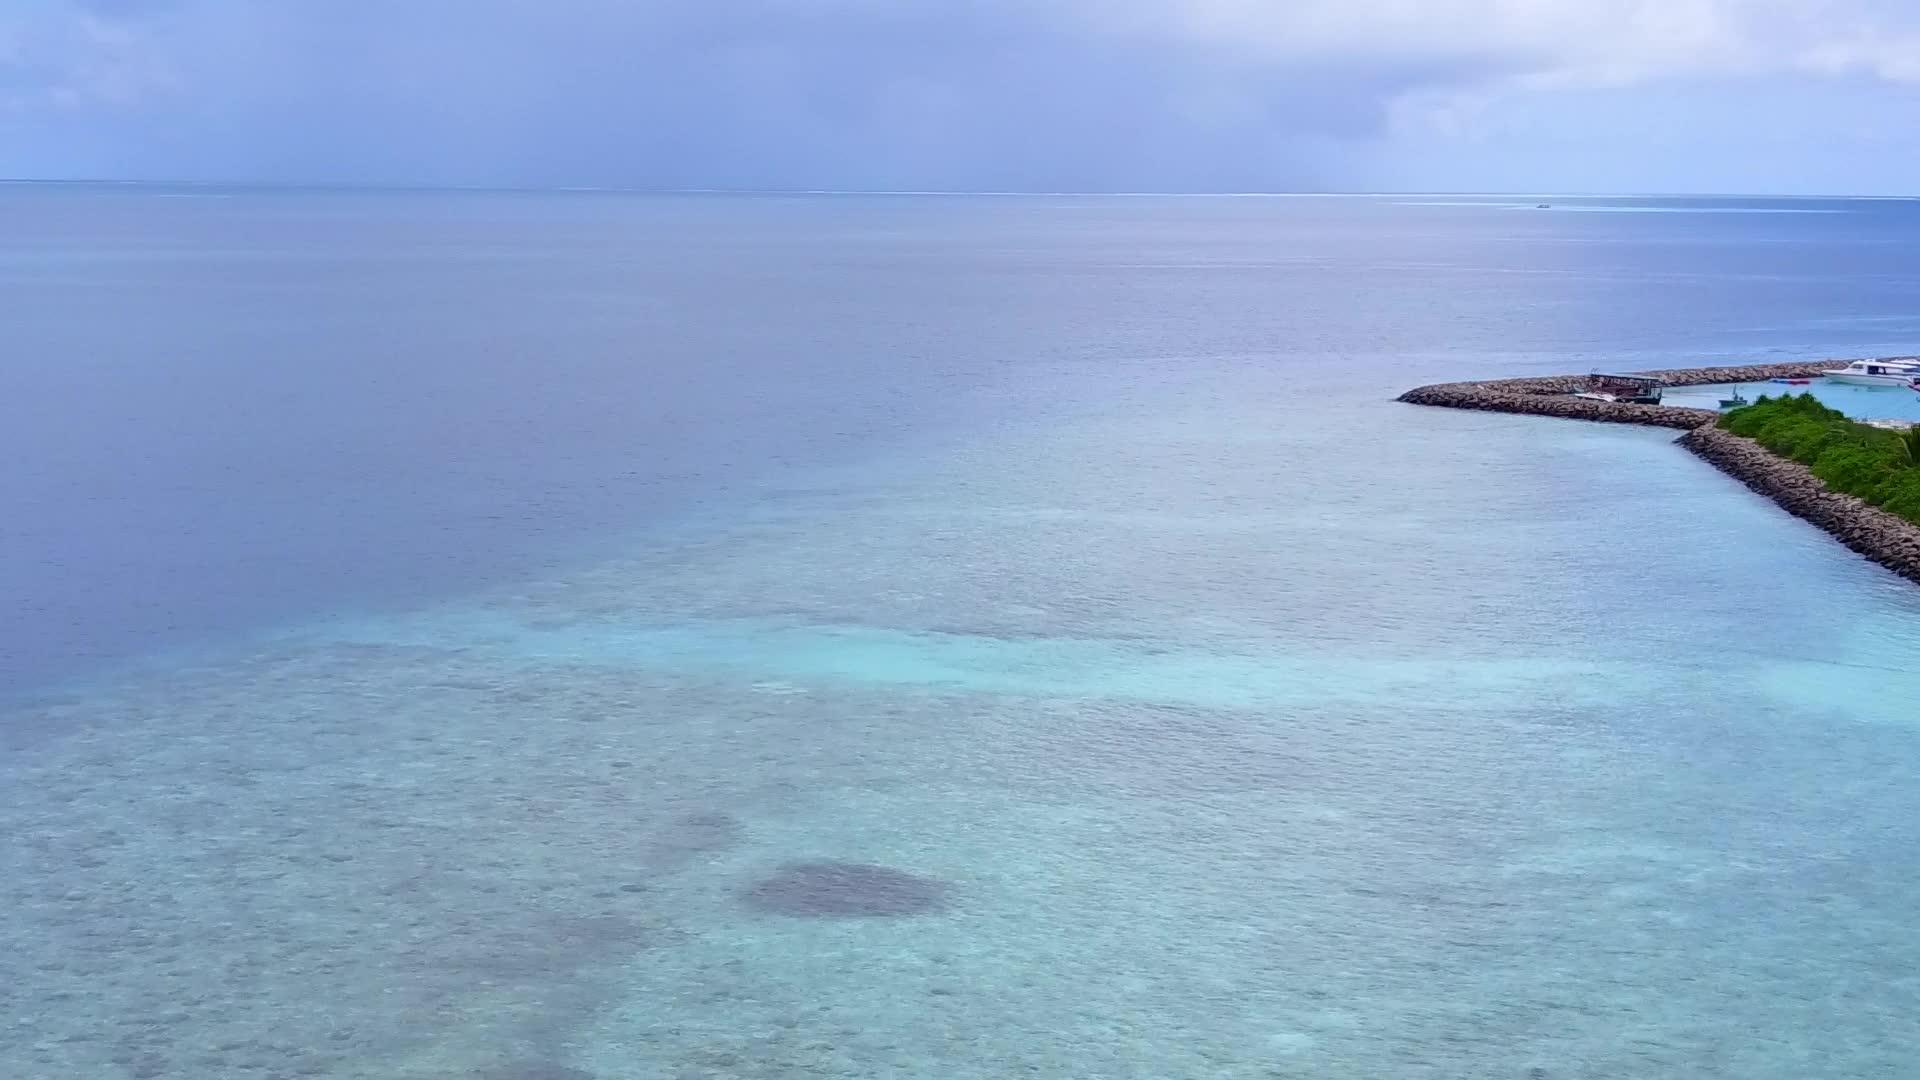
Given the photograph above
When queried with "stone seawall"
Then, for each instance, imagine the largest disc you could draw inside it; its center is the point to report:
(1548, 395)
(1491, 397)
(1888, 539)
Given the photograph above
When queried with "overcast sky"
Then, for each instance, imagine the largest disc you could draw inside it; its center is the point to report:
(1790, 96)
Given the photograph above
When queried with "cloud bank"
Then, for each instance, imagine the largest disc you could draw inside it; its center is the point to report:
(914, 94)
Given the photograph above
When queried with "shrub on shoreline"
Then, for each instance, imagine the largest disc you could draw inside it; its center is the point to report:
(1880, 466)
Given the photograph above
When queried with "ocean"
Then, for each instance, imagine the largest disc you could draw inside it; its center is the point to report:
(592, 636)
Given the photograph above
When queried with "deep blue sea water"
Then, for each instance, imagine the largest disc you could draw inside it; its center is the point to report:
(553, 637)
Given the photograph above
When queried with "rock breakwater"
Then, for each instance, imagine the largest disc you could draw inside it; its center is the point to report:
(1886, 538)
(1489, 397)
(1551, 395)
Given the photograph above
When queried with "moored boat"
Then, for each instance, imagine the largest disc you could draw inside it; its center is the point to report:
(1877, 373)
(1628, 389)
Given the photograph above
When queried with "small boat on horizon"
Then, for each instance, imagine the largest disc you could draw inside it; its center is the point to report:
(1877, 373)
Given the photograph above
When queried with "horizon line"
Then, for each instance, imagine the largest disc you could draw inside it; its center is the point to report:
(330, 185)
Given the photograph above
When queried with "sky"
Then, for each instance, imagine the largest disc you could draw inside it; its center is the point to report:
(1732, 96)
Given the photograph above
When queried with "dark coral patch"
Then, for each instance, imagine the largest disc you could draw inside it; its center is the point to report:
(687, 839)
(536, 1070)
(551, 947)
(837, 890)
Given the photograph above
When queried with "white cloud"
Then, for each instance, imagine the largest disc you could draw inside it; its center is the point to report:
(67, 58)
(992, 92)
(1594, 42)
(1893, 58)
(107, 50)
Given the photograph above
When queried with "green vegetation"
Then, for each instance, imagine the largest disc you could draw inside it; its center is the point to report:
(1882, 467)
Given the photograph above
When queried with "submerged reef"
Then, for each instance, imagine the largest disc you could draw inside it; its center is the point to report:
(837, 890)
(536, 1070)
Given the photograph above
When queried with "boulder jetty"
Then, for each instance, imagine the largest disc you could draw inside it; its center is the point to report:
(1886, 538)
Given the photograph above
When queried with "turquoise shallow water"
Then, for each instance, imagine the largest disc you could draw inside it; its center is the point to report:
(1862, 402)
(1242, 723)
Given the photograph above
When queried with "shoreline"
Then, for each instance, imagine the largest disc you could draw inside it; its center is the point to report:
(1884, 538)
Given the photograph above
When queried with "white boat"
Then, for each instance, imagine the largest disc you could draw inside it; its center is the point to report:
(1877, 372)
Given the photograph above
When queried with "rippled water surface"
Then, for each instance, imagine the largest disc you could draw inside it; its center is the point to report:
(518, 637)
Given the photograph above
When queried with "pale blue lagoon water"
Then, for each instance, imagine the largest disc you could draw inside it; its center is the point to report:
(472, 636)
(1862, 402)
